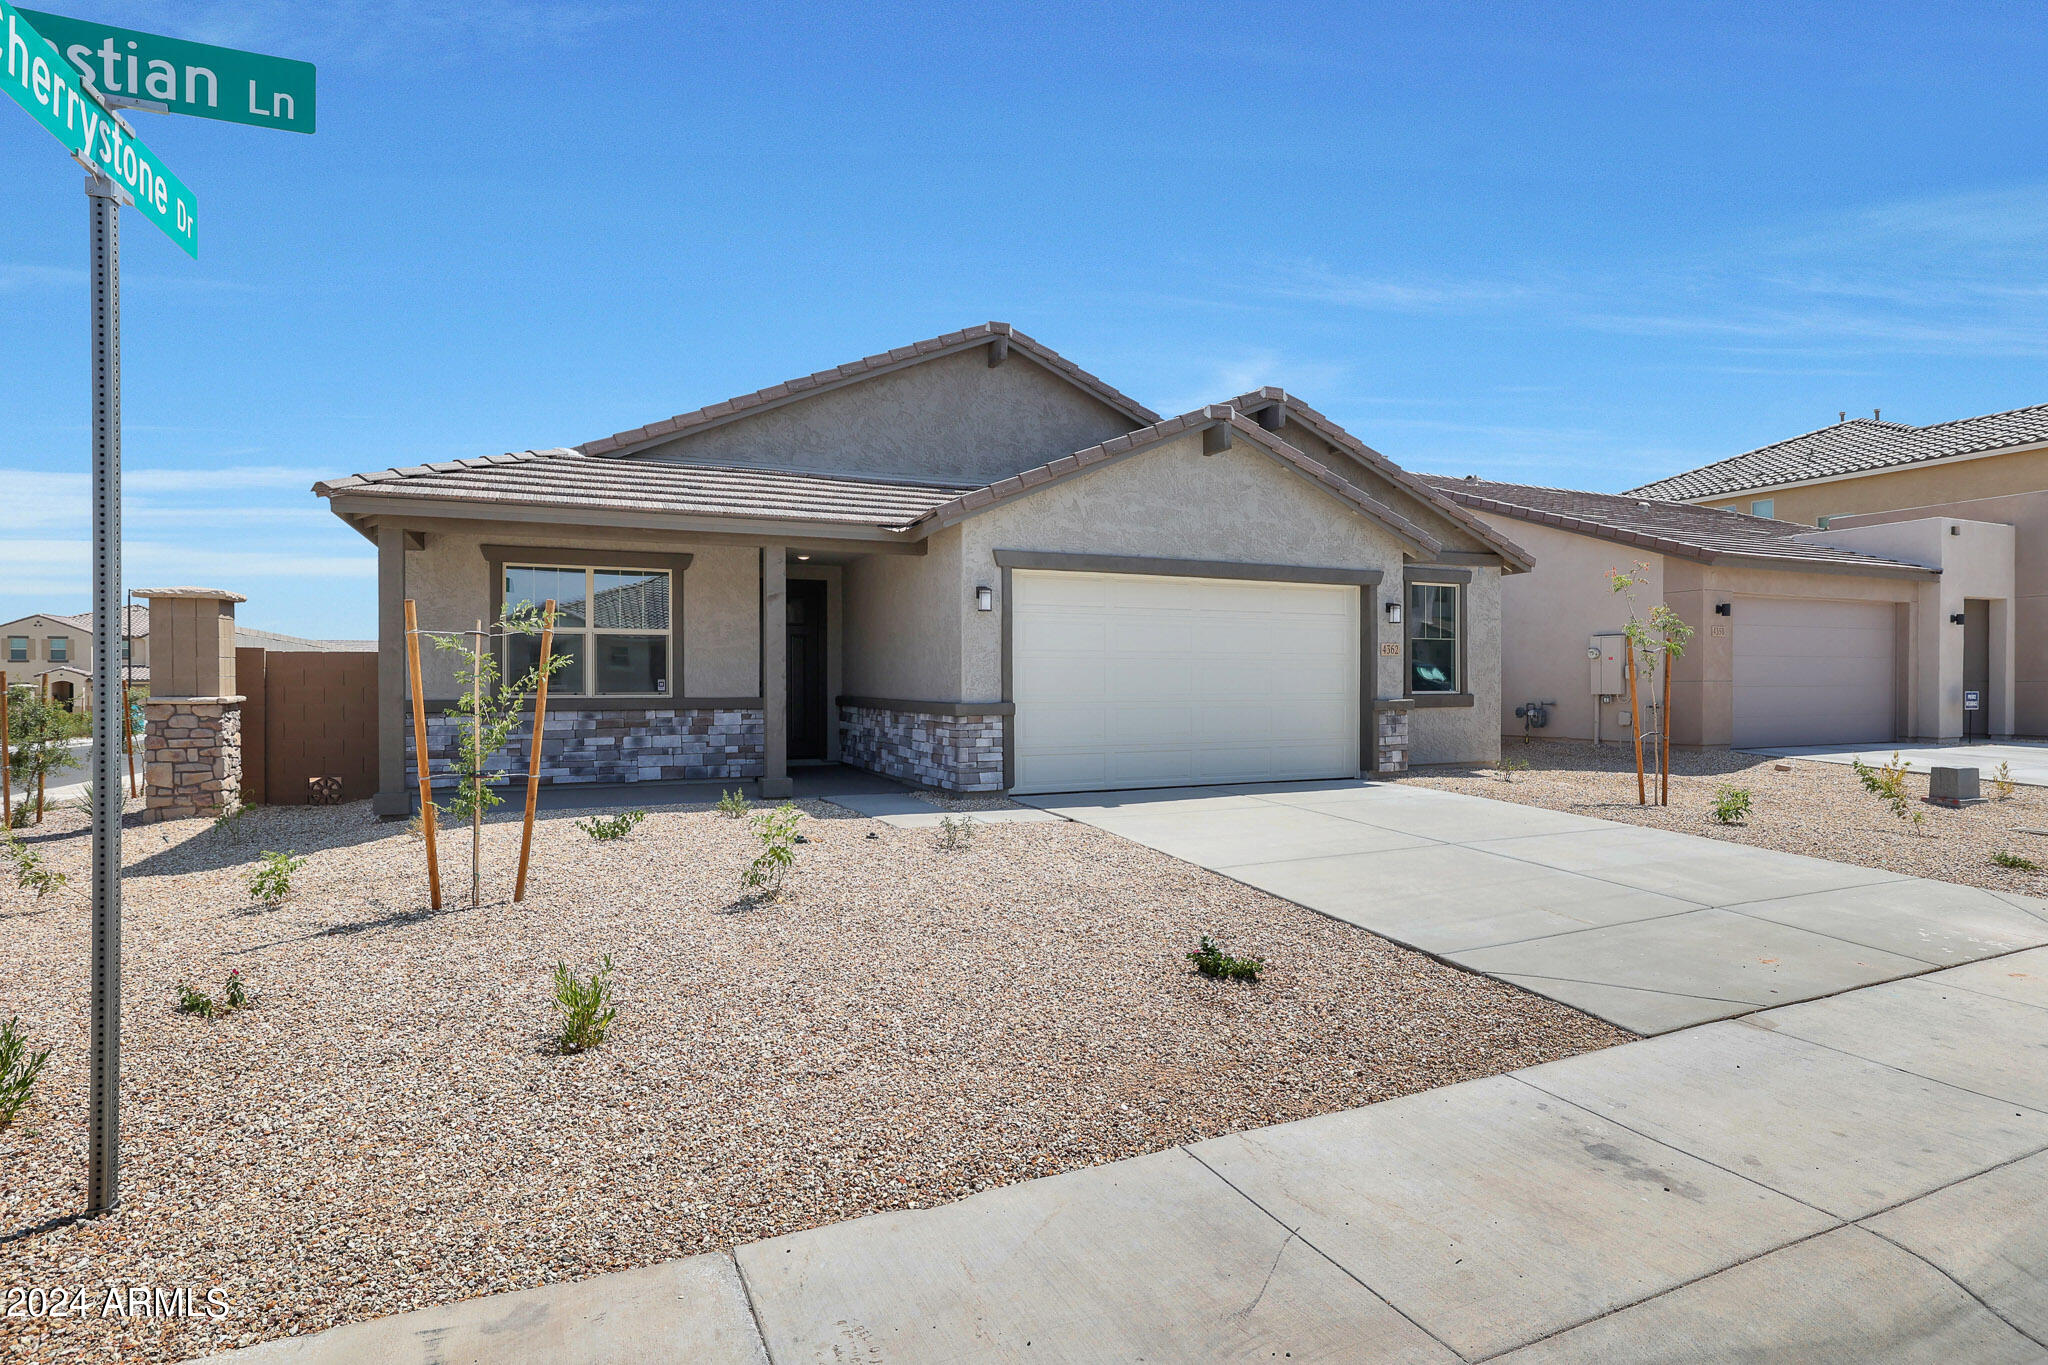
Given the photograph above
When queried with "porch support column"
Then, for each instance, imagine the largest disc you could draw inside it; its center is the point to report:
(775, 784)
(393, 797)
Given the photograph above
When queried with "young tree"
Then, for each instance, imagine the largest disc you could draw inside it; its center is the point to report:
(38, 733)
(490, 712)
(1654, 642)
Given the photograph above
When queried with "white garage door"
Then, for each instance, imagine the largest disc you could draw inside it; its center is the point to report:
(1128, 680)
(1811, 672)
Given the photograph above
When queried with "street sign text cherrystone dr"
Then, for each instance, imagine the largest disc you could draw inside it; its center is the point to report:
(45, 84)
(182, 77)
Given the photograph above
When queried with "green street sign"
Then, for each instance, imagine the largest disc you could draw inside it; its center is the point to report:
(185, 78)
(41, 82)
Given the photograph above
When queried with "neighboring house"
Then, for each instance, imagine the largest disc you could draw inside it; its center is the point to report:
(1862, 472)
(967, 563)
(1803, 636)
(61, 647)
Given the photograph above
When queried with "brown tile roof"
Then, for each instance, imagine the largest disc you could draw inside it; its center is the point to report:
(682, 424)
(570, 479)
(1330, 431)
(1853, 447)
(977, 500)
(1706, 534)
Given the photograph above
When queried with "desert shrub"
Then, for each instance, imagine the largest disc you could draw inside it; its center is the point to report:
(955, 835)
(605, 828)
(585, 1007)
(1210, 960)
(32, 872)
(2001, 783)
(234, 996)
(1508, 767)
(2004, 858)
(271, 883)
(18, 1070)
(777, 831)
(236, 991)
(230, 817)
(1731, 805)
(732, 805)
(192, 1000)
(1887, 782)
(83, 803)
(23, 815)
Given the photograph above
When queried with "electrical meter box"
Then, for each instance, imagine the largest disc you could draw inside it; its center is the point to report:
(1605, 653)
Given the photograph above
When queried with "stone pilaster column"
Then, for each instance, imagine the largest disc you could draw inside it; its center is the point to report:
(192, 754)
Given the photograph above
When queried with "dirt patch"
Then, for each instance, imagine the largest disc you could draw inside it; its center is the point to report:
(388, 1127)
(1819, 809)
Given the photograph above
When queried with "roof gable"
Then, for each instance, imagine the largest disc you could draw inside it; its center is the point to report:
(1859, 445)
(1260, 402)
(999, 338)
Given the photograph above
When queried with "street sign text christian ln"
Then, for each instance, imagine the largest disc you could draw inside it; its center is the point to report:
(184, 77)
(43, 83)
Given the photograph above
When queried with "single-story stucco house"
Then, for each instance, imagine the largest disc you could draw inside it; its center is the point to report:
(1863, 634)
(966, 563)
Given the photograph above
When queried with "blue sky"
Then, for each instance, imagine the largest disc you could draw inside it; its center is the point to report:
(1579, 245)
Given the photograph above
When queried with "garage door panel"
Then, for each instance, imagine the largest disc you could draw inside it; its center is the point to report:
(1194, 680)
(1814, 672)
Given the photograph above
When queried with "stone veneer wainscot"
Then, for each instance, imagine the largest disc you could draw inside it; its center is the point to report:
(617, 745)
(1390, 736)
(955, 753)
(192, 756)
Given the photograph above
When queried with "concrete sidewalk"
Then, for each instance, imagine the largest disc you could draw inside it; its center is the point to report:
(1645, 928)
(2027, 762)
(1854, 1179)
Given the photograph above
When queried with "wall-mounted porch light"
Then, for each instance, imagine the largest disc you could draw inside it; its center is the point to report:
(984, 598)
(802, 558)
(1724, 608)
(1393, 613)
(1957, 619)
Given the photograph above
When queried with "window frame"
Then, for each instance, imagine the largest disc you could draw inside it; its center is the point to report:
(1768, 506)
(1458, 582)
(28, 649)
(59, 647)
(500, 558)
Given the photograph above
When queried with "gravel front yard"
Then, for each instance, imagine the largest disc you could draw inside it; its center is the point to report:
(1818, 809)
(389, 1127)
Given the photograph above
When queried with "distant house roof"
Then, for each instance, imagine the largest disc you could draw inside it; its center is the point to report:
(775, 395)
(248, 638)
(1708, 535)
(138, 620)
(1857, 446)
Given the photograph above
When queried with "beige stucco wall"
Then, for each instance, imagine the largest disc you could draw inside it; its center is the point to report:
(1928, 487)
(719, 613)
(39, 629)
(954, 419)
(902, 640)
(1549, 615)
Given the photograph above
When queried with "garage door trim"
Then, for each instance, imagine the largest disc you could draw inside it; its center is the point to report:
(1367, 581)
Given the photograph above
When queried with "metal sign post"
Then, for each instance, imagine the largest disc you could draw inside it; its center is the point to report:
(64, 94)
(109, 707)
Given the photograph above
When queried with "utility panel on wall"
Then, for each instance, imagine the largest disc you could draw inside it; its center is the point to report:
(1605, 653)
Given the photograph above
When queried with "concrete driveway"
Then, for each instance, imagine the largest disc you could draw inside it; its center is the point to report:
(1648, 929)
(2029, 762)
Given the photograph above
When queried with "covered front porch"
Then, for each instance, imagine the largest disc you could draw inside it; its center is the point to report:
(709, 657)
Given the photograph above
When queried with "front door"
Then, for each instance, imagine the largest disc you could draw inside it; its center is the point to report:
(808, 703)
(1977, 666)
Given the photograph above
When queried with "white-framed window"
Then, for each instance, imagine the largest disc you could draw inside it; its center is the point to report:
(614, 624)
(17, 649)
(60, 649)
(1764, 507)
(1435, 638)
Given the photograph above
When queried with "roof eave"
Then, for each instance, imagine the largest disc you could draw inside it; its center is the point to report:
(363, 509)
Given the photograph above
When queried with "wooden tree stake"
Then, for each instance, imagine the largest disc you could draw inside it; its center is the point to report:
(1635, 716)
(540, 720)
(1664, 738)
(128, 736)
(419, 745)
(476, 779)
(6, 762)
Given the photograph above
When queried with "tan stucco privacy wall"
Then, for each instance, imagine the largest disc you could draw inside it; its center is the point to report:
(2027, 515)
(956, 419)
(719, 609)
